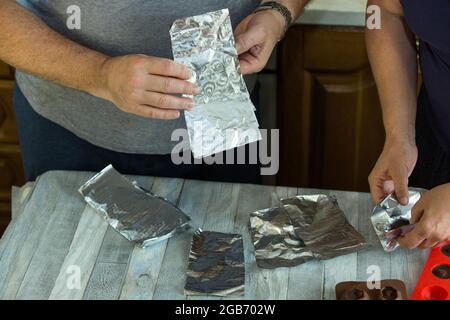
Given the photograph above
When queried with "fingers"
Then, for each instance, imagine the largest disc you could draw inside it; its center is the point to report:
(417, 212)
(166, 101)
(168, 68)
(429, 243)
(154, 113)
(255, 59)
(426, 234)
(170, 85)
(246, 40)
(376, 185)
(400, 178)
(414, 238)
(247, 63)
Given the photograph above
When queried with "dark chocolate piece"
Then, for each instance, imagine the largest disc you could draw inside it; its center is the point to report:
(442, 271)
(389, 293)
(446, 250)
(216, 265)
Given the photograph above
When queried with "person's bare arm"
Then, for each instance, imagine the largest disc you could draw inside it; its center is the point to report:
(29, 44)
(137, 84)
(393, 57)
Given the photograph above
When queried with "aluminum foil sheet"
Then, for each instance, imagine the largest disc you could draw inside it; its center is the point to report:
(135, 213)
(216, 265)
(303, 228)
(391, 220)
(223, 115)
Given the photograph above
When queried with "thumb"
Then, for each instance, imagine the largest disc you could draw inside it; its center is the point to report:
(400, 178)
(245, 42)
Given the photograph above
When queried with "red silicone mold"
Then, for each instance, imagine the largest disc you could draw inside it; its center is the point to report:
(434, 282)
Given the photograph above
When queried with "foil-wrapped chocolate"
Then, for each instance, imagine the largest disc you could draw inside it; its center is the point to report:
(216, 265)
(223, 115)
(135, 213)
(391, 220)
(303, 228)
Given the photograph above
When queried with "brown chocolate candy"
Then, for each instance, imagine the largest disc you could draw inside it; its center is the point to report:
(442, 271)
(446, 250)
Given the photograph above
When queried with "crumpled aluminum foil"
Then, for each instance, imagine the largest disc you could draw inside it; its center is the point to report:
(216, 265)
(135, 213)
(391, 220)
(223, 115)
(304, 228)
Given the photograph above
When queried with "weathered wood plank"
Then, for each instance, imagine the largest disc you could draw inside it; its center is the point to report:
(25, 233)
(194, 201)
(145, 264)
(81, 258)
(115, 248)
(58, 234)
(106, 281)
(20, 197)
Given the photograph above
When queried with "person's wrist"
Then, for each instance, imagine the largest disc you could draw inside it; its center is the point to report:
(100, 87)
(401, 137)
(278, 20)
(398, 143)
(281, 12)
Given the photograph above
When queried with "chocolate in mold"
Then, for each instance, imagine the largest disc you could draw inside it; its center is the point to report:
(389, 293)
(358, 290)
(442, 271)
(446, 250)
(355, 294)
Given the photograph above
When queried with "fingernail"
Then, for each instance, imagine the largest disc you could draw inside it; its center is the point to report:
(404, 201)
(190, 106)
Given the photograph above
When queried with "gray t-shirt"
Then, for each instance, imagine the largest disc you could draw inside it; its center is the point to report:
(115, 27)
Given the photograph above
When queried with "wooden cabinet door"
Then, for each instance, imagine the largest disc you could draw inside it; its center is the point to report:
(11, 169)
(11, 173)
(6, 72)
(8, 130)
(329, 116)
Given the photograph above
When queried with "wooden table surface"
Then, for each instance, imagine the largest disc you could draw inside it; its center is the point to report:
(55, 236)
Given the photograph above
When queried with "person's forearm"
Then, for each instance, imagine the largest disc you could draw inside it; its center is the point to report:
(294, 6)
(393, 57)
(30, 45)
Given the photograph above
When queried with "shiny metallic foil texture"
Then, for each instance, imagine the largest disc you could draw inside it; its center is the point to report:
(391, 220)
(216, 265)
(136, 214)
(223, 116)
(302, 229)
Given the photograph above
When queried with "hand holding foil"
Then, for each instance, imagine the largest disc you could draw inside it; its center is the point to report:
(223, 116)
(391, 220)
